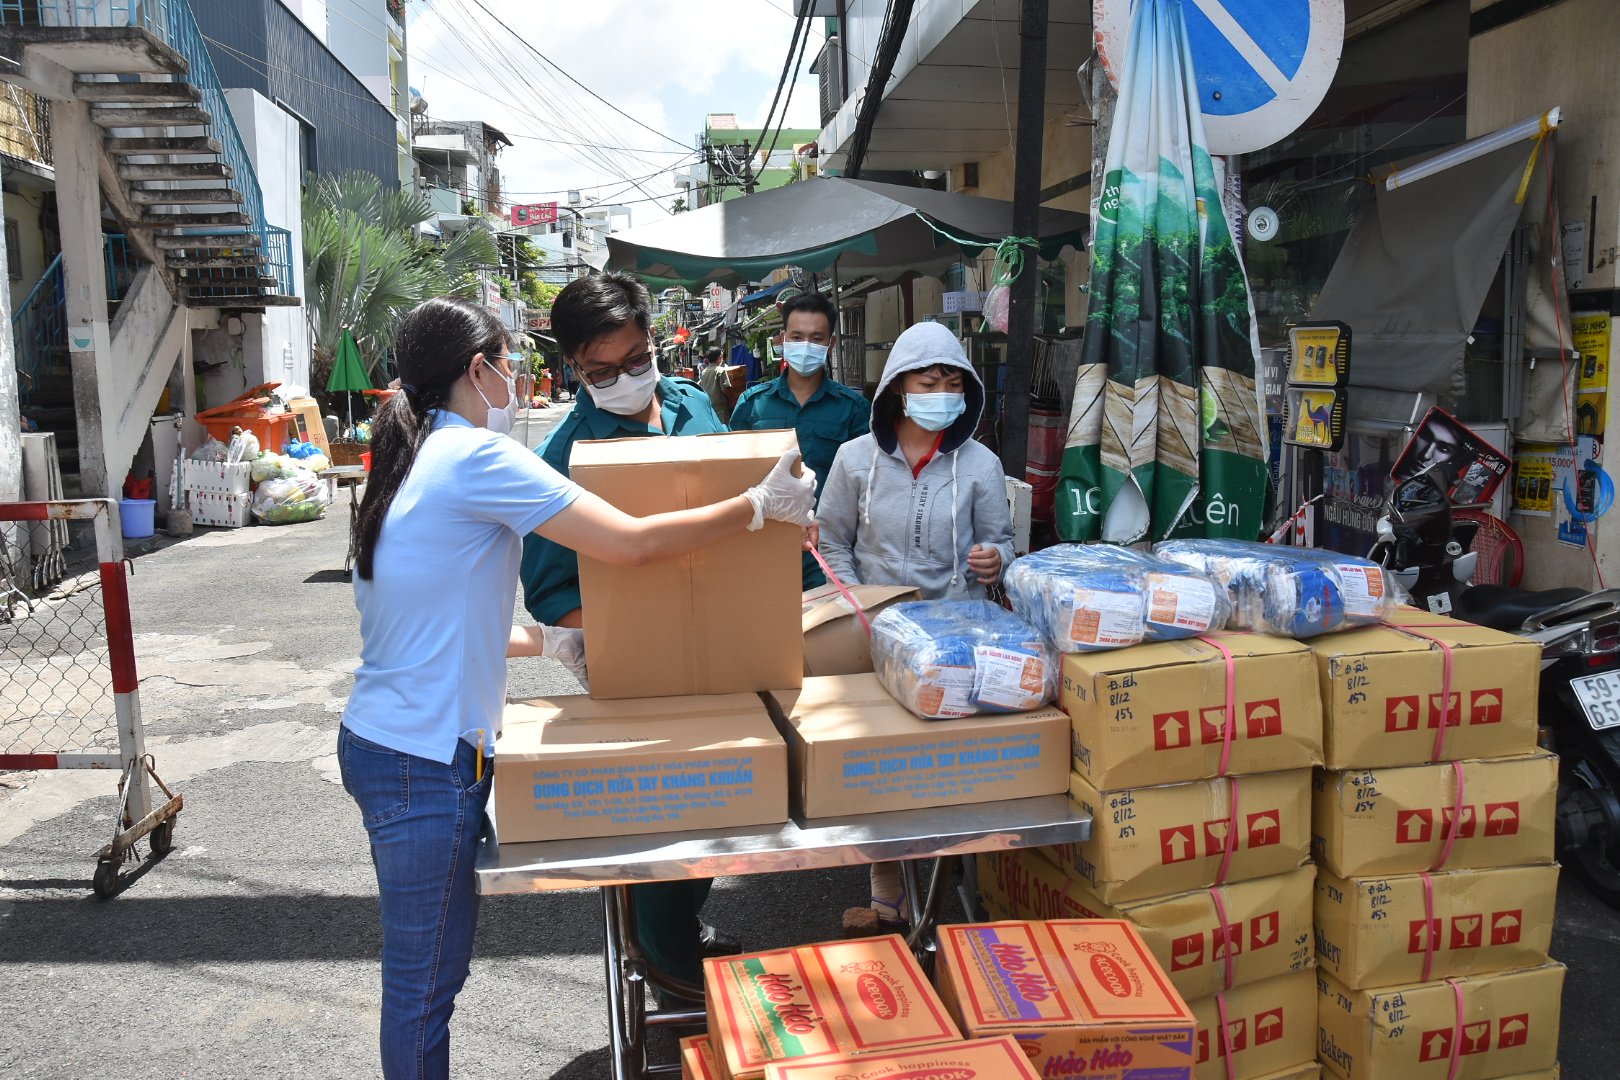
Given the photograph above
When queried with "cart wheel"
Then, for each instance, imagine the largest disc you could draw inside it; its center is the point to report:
(106, 883)
(161, 838)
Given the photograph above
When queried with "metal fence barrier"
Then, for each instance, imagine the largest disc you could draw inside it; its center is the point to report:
(69, 691)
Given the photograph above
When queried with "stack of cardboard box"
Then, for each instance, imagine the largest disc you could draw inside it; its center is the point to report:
(1201, 834)
(1433, 835)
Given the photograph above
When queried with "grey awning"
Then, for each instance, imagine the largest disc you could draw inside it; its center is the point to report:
(883, 230)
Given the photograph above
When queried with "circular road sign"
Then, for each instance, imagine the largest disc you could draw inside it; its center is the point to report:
(1263, 66)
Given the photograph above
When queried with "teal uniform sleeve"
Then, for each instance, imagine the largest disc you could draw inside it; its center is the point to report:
(550, 571)
(742, 414)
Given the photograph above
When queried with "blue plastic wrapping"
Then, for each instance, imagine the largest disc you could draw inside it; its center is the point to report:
(1089, 597)
(949, 658)
(1292, 592)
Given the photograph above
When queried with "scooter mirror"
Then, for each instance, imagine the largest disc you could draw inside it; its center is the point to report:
(1464, 566)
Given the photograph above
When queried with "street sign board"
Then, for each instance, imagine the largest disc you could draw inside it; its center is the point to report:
(535, 214)
(1263, 66)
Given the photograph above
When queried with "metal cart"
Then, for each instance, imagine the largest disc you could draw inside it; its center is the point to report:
(613, 864)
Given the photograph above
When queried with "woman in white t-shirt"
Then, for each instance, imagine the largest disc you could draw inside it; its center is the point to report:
(440, 533)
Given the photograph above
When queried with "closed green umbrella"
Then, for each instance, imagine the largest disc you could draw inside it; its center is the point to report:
(348, 372)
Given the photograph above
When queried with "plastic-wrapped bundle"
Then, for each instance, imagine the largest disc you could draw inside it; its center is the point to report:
(947, 658)
(1294, 592)
(1086, 598)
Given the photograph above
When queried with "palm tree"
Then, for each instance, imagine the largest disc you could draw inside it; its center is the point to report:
(365, 264)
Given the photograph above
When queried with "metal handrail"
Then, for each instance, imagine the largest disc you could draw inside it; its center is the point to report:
(39, 323)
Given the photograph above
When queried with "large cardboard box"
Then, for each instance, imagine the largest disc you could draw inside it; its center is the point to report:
(1396, 821)
(1381, 690)
(992, 1059)
(1154, 841)
(1083, 997)
(820, 1002)
(722, 620)
(855, 750)
(569, 767)
(1156, 714)
(1308, 1071)
(1478, 1027)
(1375, 931)
(697, 1059)
(1266, 932)
(1270, 1029)
(835, 642)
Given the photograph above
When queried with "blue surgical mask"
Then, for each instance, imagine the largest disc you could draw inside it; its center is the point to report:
(935, 412)
(805, 357)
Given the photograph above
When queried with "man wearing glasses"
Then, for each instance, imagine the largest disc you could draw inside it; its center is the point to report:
(603, 327)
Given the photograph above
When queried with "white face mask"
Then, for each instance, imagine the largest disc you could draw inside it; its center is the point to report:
(628, 395)
(500, 420)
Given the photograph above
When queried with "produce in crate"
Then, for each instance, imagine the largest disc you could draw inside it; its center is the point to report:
(944, 658)
(290, 500)
(1086, 597)
(1293, 592)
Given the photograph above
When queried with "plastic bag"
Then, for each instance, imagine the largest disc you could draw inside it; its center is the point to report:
(1089, 597)
(244, 446)
(212, 450)
(949, 658)
(287, 500)
(272, 466)
(1293, 592)
(997, 302)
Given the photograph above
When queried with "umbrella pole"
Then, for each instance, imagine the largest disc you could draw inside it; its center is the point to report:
(1026, 212)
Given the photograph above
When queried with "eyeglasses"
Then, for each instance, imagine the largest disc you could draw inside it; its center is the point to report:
(604, 377)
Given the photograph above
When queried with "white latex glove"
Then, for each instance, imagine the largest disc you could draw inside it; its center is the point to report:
(781, 496)
(568, 645)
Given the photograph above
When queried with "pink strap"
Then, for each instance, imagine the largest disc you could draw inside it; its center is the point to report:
(1457, 1029)
(1456, 817)
(1428, 925)
(1231, 835)
(1231, 703)
(1225, 1049)
(1414, 630)
(860, 612)
(1226, 931)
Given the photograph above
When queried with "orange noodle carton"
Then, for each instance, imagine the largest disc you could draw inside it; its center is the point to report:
(818, 1003)
(1083, 997)
(985, 1059)
(697, 1059)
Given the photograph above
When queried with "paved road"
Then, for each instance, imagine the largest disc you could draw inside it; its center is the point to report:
(252, 949)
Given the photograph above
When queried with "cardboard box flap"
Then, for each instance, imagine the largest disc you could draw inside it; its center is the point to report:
(1367, 640)
(826, 604)
(641, 451)
(1182, 651)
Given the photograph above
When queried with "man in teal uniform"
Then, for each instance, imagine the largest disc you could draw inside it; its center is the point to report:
(825, 413)
(602, 324)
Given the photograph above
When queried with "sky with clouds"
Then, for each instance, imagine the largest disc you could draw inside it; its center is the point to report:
(666, 65)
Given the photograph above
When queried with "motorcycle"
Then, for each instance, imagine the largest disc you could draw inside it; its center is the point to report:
(1427, 554)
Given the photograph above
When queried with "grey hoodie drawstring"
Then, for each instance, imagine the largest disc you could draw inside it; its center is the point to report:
(871, 477)
(954, 502)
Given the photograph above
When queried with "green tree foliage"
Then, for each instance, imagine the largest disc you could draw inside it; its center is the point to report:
(365, 265)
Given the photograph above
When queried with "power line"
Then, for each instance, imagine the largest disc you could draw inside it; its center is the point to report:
(524, 42)
(797, 66)
(799, 26)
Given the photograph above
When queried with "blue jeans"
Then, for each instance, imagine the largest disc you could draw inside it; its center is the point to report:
(424, 819)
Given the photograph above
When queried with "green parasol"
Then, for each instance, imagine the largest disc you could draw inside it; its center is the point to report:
(348, 372)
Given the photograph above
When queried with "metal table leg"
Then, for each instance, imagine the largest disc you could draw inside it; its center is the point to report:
(354, 529)
(626, 1003)
(922, 939)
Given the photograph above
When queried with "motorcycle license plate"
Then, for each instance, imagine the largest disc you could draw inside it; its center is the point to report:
(1599, 696)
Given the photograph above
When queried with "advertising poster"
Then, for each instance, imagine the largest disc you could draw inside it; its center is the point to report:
(1468, 467)
(1569, 473)
(1592, 340)
(1355, 482)
(1533, 479)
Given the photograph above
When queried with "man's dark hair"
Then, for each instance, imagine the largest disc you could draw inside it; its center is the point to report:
(712, 356)
(597, 304)
(813, 302)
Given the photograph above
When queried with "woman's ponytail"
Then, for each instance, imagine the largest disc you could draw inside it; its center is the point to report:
(435, 343)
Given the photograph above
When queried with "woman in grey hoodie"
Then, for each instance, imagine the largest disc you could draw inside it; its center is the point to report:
(917, 501)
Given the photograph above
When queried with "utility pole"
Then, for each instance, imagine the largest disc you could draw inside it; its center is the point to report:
(1026, 222)
(748, 167)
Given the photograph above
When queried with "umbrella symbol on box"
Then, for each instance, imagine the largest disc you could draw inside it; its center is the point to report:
(1172, 731)
(1436, 1045)
(1186, 952)
(1265, 829)
(1485, 707)
(1228, 941)
(1264, 718)
(1268, 1027)
(1505, 927)
(1176, 845)
(1502, 819)
(1515, 1031)
(1466, 931)
(1476, 1038)
(1401, 714)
